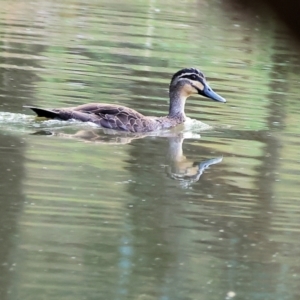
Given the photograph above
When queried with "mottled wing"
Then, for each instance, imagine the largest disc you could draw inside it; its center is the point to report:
(114, 117)
(105, 115)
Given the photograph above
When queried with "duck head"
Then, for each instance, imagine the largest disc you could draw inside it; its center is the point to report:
(190, 81)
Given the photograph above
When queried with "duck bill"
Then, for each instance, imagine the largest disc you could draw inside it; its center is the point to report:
(209, 93)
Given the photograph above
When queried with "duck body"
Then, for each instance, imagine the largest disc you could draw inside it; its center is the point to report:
(110, 116)
(183, 84)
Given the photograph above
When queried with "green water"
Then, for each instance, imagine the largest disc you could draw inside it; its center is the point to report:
(90, 214)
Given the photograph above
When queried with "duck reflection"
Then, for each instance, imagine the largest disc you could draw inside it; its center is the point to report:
(182, 169)
(178, 167)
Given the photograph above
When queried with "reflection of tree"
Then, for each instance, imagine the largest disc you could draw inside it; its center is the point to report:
(18, 65)
(19, 59)
(11, 202)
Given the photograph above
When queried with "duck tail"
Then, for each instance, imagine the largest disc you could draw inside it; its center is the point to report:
(45, 113)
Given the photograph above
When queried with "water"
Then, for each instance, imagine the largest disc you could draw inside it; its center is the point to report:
(209, 210)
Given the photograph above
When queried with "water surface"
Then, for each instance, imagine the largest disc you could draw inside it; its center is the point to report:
(209, 210)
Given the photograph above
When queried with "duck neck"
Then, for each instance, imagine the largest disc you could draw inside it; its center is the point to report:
(177, 104)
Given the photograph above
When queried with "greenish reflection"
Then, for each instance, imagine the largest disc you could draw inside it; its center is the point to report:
(89, 219)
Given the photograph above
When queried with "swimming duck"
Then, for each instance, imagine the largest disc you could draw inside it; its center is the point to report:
(184, 83)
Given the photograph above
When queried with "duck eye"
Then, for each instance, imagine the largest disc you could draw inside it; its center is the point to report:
(193, 77)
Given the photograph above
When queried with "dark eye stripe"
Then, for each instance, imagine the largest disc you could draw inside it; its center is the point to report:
(191, 76)
(188, 71)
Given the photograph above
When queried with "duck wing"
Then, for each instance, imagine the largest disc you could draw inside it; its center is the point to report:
(106, 115)
(116, 117)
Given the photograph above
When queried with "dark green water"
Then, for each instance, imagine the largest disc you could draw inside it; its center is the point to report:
(85, 214)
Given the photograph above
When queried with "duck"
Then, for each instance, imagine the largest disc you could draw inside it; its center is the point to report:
(184, 83)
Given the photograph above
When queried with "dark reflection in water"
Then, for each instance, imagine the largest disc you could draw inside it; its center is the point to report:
(180, 168)
(183, 169)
